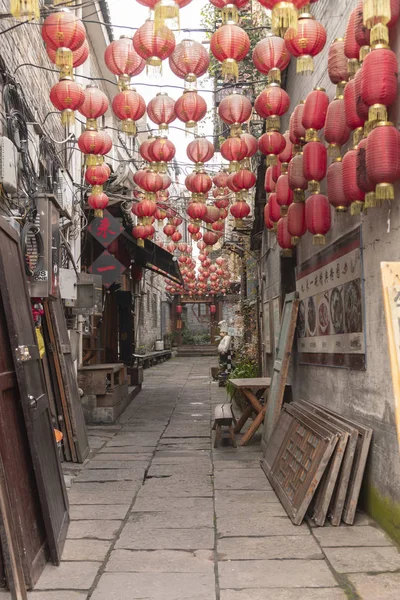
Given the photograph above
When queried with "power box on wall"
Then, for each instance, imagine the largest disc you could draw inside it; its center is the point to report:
(46, 282)
(8, 165)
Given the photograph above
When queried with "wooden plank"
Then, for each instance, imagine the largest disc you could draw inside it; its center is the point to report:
(340, 492)
(390, 272)
(323, 496)
(281, 365)
(8, 538)
(295, 464)
(252, 383)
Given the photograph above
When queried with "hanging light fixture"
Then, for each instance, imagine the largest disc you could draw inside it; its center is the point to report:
(337, 65)
(336, 194)
(284, 14)
(65, 33)
(284, 238)
(363, 180)
(336, 130)
(284, 194)
(234, 150)
(351, 46)
(190, 109)
(306, 42)
(78, 58)
(189, 61)
(161, 110)
(271, 104)
(234, 110)
(122, 60)
(94, 144)
(296, 223)
(271, 57)
(314, 112)
(200, 151)
(67, 96)
(314, 164)
(129, 106)
(230, 44)
(154, 46)
(94, 106)
(318, 217)
(383, 159)
(352, 191)
(379, 82)
(297, 182)
(271, 143)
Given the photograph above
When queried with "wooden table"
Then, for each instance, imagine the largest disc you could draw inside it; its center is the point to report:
(252, 389)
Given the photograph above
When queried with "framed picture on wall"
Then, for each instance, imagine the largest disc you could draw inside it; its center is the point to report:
(276, 318)
(267, 327)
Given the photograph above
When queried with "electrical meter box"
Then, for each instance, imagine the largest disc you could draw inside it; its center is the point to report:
(46, 281)
(89, 295)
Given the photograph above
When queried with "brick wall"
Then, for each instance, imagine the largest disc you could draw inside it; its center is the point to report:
(366, 397)
(154, 319)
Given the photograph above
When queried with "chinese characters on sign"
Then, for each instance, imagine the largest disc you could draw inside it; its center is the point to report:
(105, 229)
(108, 267)
(331, 323)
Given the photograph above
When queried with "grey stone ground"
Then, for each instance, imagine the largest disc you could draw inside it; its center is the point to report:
(157, 514)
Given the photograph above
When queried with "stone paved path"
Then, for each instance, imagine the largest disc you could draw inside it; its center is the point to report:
(158, 515)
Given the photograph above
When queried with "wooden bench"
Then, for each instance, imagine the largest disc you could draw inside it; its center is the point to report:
(224, 417)
(101, 379)
(152, 358)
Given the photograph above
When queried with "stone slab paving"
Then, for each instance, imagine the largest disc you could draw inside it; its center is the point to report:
(158, 514)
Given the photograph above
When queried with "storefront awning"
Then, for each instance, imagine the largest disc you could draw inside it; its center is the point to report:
(154, 258)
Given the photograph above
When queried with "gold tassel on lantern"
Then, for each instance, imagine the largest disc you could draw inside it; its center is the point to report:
(140, 242)
(97, 190)
(299, 196)
(379, 35)
(166, 10)
(64, 58)
(273, 122)
(370, 200)
(98, 212)
(230, 14)
(334, 151)
(129, 127)
(319, 240)
(234, 166)
(384, 191)
(377, 112)
(230, 68)
(25, 8)
(376, 11)
(284, 15)
(191, 128)
(67, 117)
(314, 187)
(305, 65)
(356, 208)
(154, 67)
(272, 160)
(239, 223)
(274, 76)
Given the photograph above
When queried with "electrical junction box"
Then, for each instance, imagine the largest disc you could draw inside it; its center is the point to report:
(45, 282)
(89, 295)
(8, 165)
(68, 286)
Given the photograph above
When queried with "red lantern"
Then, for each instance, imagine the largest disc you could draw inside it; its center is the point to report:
(179, 309)
(160, 215)
(267, 220)
(271, 104)
(251, 143)
(305, 42)
(222, 203)
(379, 17)
(274, 209)
(235, 110)
(122, 60)
(210, 238)
(161, 110)
(314, 113)
(140, 233)
(212, 215)
(220, 179)
(154, 46)
(271, 143)
(296, 128)
(196, 211)
(98, 202)
(270, 57)
(200, 151)
(213, 309)
(190, 108)
(162, 151)
(314, 164)
(231, 183)
(352, 192)
(169, 229)
(193, 228)
(146, 209)
(269, 183)
(361, 33)
(97, 175)
(383, 159)
(361, 107)
(353, 120)
(379, 82)
(318, 217)
(337, 63)
(240, 210)
(234, 149)
(244, 179)
(363, 180)
(67, 96)
(336, 131)
(65, 33)
(286, 155)
(94, 143)
(189, 61)
(351, 47)
(284, 195)
(296, 223)
(144, 149)
(176, 237)
(229, 9)
(336, 195)
(297, 182)
(276, 171)
(151, 182)
(283, 237)
(95, 105)
(128, 106)
(230, 44)
(78, 57)
(198, 183)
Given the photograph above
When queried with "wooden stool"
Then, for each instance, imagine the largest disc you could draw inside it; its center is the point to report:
(223, 416)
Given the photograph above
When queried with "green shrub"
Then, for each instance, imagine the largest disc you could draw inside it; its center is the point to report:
(245, 369)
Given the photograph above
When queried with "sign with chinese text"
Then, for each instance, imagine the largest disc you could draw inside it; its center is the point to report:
(331, 320)
(105, 229)
(108, 267)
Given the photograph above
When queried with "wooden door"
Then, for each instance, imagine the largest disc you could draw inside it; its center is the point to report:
(26, 377)
(67, 376)
(281, 364)
(124, 300)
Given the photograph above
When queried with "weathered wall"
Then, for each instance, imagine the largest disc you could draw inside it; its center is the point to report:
(153, 316)
(197, 318)
(365, 396)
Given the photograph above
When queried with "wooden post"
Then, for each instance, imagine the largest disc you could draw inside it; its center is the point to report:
(391, 297)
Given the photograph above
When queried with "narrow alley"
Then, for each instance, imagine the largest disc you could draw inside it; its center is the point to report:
(158, 514)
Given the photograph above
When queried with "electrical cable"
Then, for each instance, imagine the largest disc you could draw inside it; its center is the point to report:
(31, 229)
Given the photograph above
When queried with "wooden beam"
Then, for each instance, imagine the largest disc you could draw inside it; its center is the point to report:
(390, 272)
